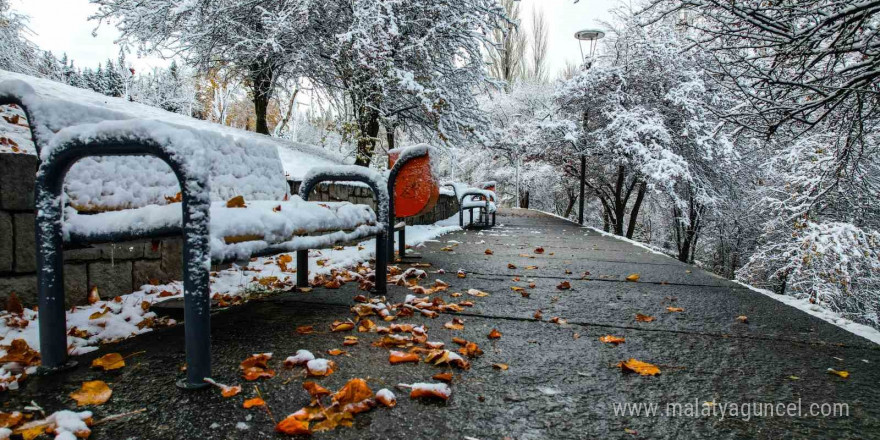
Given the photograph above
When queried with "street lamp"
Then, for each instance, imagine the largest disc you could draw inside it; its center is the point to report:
(591, 37)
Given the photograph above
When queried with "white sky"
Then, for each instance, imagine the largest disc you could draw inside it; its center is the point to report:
(63, 26)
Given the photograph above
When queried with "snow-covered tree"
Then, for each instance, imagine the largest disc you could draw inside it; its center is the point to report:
(17, 53)
(262, 41)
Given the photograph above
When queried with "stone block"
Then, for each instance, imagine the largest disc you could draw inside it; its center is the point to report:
(76, 285)
(17, 177)
(122, 251)
(112, 279)
(7, 244)
(172, 258)
(143, 272)
(24, 286)
(153, 249)
(25, 253)
(83, 254)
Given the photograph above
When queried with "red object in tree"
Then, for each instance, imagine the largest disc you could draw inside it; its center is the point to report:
(415, 192)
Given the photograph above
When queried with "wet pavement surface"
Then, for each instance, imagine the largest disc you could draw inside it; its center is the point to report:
(562, 381)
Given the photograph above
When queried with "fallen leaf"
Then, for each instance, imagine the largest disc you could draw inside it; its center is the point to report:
(565, 285)
(226, 391)
(538, 314)
(256, 367)
(539, 250)
(743, 319)
(335, 352)
(386, 397)
(292, 425)
(21, 353)
(440, 357)
(305, 329)
(674, 309)
(320, 367)
(365, 325)
(511, 266)
(350, 340)
(461, 274)
(477, 293)
(94, 392)
(489, 252)
(252, 402)
(531, 267)
(455, 324)
(341, 326)
(110, 361)
(277, 209)
(399, 357)
(354, 391)
(315, 390)
(236, 202)
(430, 390)
(637, 366)
(633, 277)
(93, 295)
(644, 318)
(500, 366)
(8, 420)
(13, 304)
(494, 334)
(608, 339)
(843, 374)
(444, 377)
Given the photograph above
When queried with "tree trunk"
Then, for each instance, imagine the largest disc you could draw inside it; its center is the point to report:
(525, 200)
(389, 135)
(369, 128)
(619, 201)
(262, 76)
(571, 202)
(634, 214)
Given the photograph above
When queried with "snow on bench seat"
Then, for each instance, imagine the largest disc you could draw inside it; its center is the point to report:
(238, 233)
(240, 162)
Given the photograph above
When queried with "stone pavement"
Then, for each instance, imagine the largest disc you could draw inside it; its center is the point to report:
(562, 381)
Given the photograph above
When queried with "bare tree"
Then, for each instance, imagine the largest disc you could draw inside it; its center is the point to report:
(539, 45)
(507, 59)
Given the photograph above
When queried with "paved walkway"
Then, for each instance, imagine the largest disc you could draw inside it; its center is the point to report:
(562, 382)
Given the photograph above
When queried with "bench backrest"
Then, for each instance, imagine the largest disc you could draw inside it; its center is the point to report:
(240, 163)
(416, 190)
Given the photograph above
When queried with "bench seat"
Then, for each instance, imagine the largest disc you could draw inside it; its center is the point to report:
(236, 233)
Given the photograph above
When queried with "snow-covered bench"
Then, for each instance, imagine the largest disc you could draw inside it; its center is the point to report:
(68, 133)
(469, 199)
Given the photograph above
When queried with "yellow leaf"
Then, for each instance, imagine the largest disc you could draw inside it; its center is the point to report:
(236, 202)
(633, 277)
(500, 366)
(608, 339)
(637, 366)
(111, 361)
(843, 374)
(93, 392)
(674, 309)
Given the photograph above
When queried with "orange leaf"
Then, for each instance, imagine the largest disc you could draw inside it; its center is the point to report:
(93, 295)
(305, 329)
(94, 392)
(461, 274)
(277, 209)
(335, 352)
(350, 340)
(229, 391)
(471, 350)
(254, 401)
(608, 339)
(500, 366)
(430, 390)
(636, 366)
(386, 397)
(341, 326)
(455, 324)
(538, 314)
(539, 250)
(236, 202)
(320, 367)
(399, 357)
(13, 304)
(315, 390)
(565, 285)
(293, 426)
(511, 266)
(354, 391)
(674, 309)
(110, 361)
(365, 325)
(444, 377)
(22, 353)
(633, 277)
(489, 252)
(256, 367)
(644, 318)
(494, 334)
(8, 420)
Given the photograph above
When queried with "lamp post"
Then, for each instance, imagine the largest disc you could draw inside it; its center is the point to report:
(591, 37)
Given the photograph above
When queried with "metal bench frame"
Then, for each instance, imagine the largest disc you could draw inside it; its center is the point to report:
(392, 183)
(196, 249)
(484, 214)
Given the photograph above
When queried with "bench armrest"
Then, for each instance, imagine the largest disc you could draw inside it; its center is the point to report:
(349, 173)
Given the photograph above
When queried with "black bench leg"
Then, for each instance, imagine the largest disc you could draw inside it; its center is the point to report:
(461, 218)
(50, 273)
(401, 245)
(382, 251)
(493, 219)
(471, 211)
(302, 268)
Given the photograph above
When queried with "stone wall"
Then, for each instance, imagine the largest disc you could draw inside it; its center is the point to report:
(119, 268)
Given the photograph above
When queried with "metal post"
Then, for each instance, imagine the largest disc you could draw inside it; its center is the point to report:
(302, 268)
(583, 183)
(401, 245)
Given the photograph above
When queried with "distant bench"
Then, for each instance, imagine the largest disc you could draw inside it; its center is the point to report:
(469, 199)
